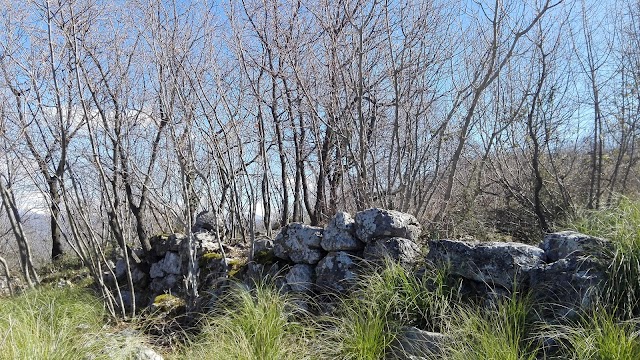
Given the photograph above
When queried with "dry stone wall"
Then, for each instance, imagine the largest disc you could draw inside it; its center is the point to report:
(328, 259)
(566, 270)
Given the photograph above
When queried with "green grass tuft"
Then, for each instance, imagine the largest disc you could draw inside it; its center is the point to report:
(53, 323)
(256, 324)
(387, 300)
(49, 324)
(498, 334)
(621, 225)
(601, 337)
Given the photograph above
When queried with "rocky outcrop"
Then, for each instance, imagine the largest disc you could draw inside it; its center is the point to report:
(565, 272)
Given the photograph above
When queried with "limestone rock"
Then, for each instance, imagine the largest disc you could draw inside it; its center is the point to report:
(571, 280)
(167, 283)
(256, 273)
(493, 263)
(263, 244)
(163, 243)
(413, 343)
(263, 250)
(335, 272)
(138, 276)
(170, 264)
(564, 244)
(206, 242)
(300, 278)
(299, 243)
(208, 221)
(568, 286)
(403, 251)
(146, 353)
(378, 223)
(339, 234)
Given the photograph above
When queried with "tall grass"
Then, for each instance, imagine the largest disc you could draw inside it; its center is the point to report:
(498, 334)
(49, 324)
(621, 225)
(257, 324)
(52, 323)
(601, 337)
(360, 332)
(373, 317)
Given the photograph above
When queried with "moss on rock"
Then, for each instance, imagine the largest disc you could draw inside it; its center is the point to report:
(168, 302)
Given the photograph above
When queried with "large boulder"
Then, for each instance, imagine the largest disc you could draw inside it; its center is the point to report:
(571, 281)
(300, 278)
(403, 251)
(378, 223)
(208, 221)
(504, 264)
(565, 244)
(339, 234)
(299, 243)
(336, 272)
